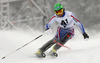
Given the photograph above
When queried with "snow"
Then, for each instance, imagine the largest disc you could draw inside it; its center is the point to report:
(81, 51)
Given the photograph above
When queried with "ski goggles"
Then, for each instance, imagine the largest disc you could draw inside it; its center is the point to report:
(59, 11)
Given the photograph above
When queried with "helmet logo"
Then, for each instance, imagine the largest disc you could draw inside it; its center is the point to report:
(57, 7)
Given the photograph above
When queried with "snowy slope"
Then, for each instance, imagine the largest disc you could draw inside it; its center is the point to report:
(81, 51)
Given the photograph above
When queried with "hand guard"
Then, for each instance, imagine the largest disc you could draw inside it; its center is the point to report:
(85, 36)
(48, 31)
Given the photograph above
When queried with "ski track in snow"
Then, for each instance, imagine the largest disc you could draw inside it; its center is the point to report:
(81, 51)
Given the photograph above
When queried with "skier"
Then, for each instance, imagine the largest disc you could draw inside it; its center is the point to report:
(65, 30)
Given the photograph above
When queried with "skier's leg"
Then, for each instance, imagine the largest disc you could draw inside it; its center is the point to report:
(63, 41)
(45, 47)
(65, 35)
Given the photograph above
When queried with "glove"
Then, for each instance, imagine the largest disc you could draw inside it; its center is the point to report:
(46, 29)
(85, 36)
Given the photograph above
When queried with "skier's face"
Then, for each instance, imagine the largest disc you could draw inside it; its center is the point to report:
(59, 12)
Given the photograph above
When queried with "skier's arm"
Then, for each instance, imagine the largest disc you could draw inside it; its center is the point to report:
(52, 20)
(79, 24)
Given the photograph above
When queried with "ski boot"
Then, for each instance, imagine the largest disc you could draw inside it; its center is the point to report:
(40, 54)
(53, 53)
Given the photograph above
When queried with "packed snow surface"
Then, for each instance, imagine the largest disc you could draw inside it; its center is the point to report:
(81, 51)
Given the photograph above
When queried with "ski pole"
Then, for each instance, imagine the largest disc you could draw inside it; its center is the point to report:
(22, 46)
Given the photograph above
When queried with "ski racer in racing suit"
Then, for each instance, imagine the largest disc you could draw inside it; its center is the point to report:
(65, 30)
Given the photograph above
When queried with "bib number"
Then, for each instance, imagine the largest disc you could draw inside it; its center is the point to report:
(64, 22)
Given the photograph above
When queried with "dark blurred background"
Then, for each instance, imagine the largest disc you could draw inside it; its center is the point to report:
(34, 14)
